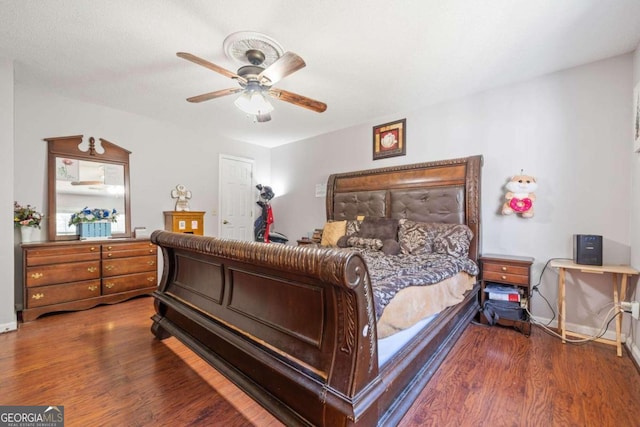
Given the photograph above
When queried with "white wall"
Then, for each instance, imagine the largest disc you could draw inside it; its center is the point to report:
(162, 156)
(7, 314)
(570, 129)
(635, 211)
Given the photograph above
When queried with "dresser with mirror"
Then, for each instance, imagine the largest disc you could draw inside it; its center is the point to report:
(66, 273)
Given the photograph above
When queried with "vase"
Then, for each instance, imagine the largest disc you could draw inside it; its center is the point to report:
(25, 234)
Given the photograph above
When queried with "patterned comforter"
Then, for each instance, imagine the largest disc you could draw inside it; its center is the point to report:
(390, 274)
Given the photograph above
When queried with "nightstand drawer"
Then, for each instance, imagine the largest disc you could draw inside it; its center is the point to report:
(505, 268)
(494, 276)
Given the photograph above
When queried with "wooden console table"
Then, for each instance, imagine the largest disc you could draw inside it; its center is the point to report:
(619, 294)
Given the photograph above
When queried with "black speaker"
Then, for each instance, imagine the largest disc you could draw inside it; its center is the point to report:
(587, 249)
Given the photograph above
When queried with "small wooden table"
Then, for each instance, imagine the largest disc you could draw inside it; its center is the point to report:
(619, 294)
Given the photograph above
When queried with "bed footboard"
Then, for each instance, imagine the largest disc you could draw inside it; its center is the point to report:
(294, 327)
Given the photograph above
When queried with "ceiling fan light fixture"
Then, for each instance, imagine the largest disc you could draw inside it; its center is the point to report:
(261, 118)
(253, 102)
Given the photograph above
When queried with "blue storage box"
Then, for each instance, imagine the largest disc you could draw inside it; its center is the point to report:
(94, 230)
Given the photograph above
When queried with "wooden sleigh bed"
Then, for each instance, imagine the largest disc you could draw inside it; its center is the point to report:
(295, 327)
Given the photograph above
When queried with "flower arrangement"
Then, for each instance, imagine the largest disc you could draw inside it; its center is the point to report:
(26, 216)
(93, 215)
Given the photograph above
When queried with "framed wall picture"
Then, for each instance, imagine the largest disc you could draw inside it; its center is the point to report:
(389, 139)
(636, 118)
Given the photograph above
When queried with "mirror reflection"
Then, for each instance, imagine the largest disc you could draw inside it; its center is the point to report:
(85, 173)
(82, 183)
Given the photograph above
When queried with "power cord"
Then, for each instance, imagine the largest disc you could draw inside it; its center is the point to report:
(603, 328)
(536, 289)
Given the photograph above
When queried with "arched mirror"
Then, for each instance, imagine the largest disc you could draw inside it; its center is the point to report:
(86, 174)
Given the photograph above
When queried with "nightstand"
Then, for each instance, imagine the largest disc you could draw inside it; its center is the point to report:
(511, 273)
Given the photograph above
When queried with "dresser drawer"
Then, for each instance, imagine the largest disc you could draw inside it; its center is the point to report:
(56, 255)
(125, 250)
(116, 267)
(114, 285)
(62, 273)
(54, 294)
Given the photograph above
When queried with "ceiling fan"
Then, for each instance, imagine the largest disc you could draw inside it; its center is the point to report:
(256, 80)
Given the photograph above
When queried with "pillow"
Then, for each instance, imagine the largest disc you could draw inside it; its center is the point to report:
(353, 226)
(332, 232)
(415, 237)
(343, 241)
(390, 247)
(379, 228)
(454, 240)
(366, 243)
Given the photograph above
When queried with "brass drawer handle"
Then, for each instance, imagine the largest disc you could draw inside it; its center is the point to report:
(93, 248)
(93, 288)
(151, 251)
(109, 255)
(504, 277)
(37, 275)
(109, 285)
(151, 262)
(151, 279)
(92, 269)
(109, 248)
(504, 268)
(109, 267)
(37, 296)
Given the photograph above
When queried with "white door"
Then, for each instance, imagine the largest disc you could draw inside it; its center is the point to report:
(236, 198)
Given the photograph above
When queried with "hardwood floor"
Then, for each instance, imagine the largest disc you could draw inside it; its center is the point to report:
(104, 366)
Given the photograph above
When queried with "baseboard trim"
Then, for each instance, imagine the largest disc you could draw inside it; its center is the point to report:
(634, 352)
(8, 327)
(632, 347)
(581, 329)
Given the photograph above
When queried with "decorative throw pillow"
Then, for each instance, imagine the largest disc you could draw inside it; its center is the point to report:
(454, 240)
(332, 231)
(379, 228)
(343, 241)
(416, 237)
(366, 243)
(353, 226)
(390, 247)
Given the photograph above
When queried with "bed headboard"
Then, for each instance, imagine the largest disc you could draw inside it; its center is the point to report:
(443, 191)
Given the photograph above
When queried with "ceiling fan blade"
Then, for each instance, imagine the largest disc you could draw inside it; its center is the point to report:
(212, 95)
(287, 64)
(210, 65)
(299, 100)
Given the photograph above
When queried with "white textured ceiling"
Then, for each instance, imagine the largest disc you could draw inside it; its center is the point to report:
(366, 59)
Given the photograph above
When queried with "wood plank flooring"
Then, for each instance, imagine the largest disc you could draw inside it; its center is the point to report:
(104, 366)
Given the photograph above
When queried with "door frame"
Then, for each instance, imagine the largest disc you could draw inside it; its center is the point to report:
(247, 160)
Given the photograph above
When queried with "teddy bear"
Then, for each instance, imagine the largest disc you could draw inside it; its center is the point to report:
(520, 196)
